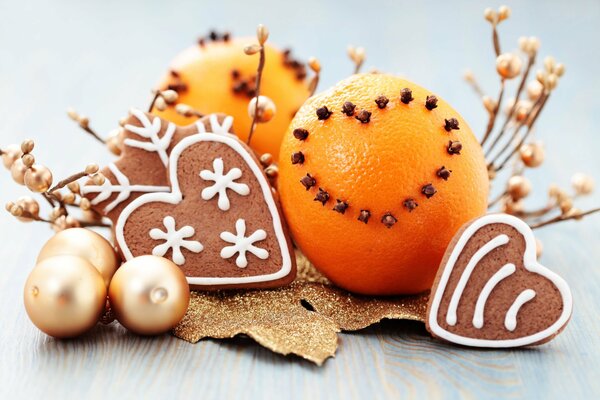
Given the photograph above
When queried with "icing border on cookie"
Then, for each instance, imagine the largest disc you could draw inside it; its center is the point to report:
(530, 263)
(176, 196)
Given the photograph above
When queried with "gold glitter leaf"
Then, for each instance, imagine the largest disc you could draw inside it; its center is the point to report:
(303, 318)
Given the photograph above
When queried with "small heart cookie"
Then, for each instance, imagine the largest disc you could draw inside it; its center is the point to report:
(490, 291)
(219, 222)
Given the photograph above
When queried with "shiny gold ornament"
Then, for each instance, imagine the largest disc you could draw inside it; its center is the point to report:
(30, 206)
(149, 295)
(266, 109)
(38, 178)
(64, 296)
(519, 187)
(508, 65)
(10, 154)
(86, 244)
(17, 171)
(532, 154)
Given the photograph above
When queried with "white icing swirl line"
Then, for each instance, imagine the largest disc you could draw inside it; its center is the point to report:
(496, 242)
(502, 273)
(529, 263)
(510, 322)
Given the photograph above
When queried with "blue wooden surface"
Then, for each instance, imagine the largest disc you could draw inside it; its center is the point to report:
(103, 56)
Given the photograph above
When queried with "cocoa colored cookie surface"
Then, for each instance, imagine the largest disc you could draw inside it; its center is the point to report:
(142, 166)
(219, 222)
(491, 292)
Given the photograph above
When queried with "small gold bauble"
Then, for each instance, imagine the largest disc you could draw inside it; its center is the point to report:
(38, 178)
(149, 295)
(86, 244)
(17, 171)
(532, 154)
(265, 110)
(11, 154)
(30, 206)
(64, 296)
(508, 65)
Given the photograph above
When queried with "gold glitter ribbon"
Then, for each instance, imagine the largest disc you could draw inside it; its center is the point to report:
(302, 318)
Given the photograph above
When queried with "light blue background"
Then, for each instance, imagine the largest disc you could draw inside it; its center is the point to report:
(102, 57)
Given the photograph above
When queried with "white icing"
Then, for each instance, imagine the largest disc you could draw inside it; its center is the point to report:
(502, 273)
(243, 244)
(150, 130)
(510, 322)
(124, 188)
(175, 240)
(222, 183)
(530, 263)
(175, 197)
(496, 242)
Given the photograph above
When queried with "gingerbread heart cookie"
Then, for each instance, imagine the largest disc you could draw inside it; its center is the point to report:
(490, 291)
(219, 222)
(141, 168)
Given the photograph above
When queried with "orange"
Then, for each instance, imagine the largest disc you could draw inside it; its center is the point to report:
(380, 169)
(213, 76)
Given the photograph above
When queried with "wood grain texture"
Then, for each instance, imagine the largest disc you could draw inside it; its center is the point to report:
(102, 57)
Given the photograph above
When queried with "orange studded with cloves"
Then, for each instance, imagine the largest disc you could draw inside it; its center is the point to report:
(388, 173)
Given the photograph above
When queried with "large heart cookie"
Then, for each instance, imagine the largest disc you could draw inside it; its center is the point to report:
(142, 167)
(220, 221)
(490, 291)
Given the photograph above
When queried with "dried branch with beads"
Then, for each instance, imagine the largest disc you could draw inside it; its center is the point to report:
(511, 142)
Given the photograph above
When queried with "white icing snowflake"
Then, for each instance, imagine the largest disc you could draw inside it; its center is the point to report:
(222, 183)
(243, 244)
(175, 239)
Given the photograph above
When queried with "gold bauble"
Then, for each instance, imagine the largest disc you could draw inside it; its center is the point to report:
(64, 296)
(86, 244)
(11, 154)
(38, 178)
(17, 171)
(265, 109)
(29, 205)
(149, 295)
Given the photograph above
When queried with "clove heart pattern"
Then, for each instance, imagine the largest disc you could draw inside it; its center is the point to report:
(490, 291)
